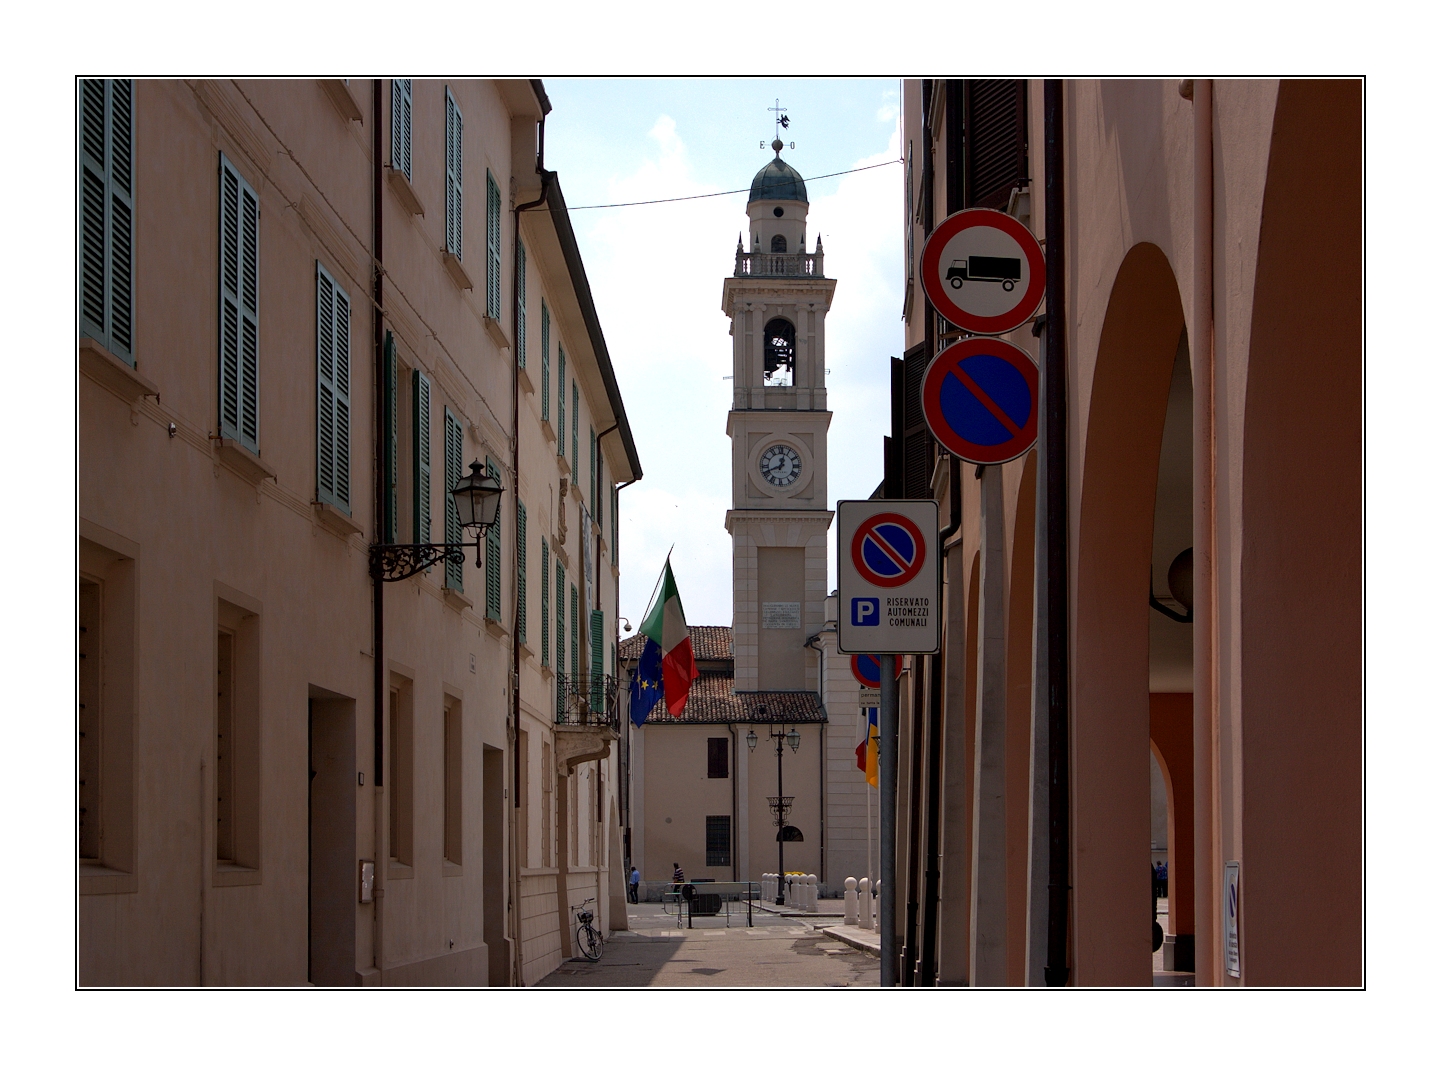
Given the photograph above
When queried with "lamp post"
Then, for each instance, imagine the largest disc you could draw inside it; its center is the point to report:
(780, 803)
(477, 501)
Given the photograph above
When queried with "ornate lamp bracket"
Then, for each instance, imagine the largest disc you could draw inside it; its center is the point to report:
(396, 562)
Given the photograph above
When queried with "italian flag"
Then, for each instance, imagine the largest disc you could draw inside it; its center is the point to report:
(666, 626)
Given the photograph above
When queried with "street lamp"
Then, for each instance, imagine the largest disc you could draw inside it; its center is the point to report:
(477, 503)
(780, 803)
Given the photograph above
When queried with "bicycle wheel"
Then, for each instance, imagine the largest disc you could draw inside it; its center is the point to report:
(589, 942)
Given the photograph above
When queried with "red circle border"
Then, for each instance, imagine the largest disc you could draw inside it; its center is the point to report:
(941, 365)
(934, 284)
(867, 527)
(856, 673)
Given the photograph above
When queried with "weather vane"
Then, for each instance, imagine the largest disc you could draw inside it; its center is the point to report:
(783, 122)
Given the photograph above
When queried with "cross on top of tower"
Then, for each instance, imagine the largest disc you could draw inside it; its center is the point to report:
(783, 122)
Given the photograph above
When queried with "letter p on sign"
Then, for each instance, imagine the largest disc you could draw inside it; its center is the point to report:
(865, 611)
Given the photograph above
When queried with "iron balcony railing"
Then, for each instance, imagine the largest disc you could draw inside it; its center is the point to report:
(780, 265)
(592, 699)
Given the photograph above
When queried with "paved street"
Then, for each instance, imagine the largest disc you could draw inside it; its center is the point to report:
(778, 951)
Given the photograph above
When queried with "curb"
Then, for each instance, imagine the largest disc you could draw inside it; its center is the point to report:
(852, 940)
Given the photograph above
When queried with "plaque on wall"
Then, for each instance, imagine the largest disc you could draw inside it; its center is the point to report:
(780, 616)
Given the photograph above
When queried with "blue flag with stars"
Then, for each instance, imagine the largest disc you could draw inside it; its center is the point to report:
(645, 685)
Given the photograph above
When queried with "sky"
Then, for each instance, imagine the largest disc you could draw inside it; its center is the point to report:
(656, 273)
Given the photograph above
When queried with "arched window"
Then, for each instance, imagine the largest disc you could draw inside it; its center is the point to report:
(780, 346)
(778, 243)
(790, 835)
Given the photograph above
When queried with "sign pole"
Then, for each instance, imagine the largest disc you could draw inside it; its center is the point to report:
(889, 729)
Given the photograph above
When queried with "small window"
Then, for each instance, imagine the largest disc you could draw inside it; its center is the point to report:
(718, 757)
(778, 243)
(718, 840)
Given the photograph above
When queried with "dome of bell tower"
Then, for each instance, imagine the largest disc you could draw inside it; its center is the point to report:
(778, 180)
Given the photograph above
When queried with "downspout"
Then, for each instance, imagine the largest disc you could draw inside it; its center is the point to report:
(735, 809)
(1057, 548)
(1203, 501)
(545, 179)
(377, 221)
(813, 642)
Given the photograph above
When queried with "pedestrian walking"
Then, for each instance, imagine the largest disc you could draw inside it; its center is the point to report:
(634, 885)
(677, 875)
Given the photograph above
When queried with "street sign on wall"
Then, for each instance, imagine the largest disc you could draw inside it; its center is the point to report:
(983, 271)
(981, 400)
(888, 579)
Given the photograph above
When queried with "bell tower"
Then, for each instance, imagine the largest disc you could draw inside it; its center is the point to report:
(777, 301)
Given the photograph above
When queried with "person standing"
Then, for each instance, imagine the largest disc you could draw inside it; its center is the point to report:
(634, 885)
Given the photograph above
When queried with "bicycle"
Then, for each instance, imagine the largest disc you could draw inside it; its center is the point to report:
(587, 937)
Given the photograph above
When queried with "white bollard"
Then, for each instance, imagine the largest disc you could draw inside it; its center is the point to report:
(852, 902)
(813, 892)
(865, 903)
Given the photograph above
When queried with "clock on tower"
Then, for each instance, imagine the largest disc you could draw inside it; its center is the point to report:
(777, 301)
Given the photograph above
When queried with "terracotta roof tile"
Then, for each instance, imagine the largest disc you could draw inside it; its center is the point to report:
(708, 644)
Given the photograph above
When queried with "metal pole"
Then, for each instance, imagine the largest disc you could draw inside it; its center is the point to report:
(1057, 562)
(889, 715)
(780, 826)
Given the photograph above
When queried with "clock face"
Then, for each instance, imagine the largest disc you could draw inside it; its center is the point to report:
(781, 465)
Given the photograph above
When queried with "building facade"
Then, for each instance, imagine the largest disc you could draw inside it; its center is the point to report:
(309, 750)
(1212, 449)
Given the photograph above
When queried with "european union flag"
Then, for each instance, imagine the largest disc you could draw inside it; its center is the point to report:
(645, 685)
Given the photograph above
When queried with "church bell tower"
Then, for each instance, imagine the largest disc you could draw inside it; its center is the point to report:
(777, 301)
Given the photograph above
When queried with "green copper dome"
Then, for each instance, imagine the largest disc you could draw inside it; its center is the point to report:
(778, 180)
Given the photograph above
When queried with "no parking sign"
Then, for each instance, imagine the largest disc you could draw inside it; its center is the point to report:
(889, 583)
(981, 400)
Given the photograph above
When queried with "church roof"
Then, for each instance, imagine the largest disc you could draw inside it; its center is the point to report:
(713, 698)
(778, 180)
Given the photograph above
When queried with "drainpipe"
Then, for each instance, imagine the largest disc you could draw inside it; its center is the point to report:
(377, 220)
(1058, 664)
(1203, 502)
(735, 810)
(930, 930)
(545, 180)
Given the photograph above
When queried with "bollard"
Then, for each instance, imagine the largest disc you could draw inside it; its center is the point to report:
(852, 902)
(813, 893)
(864, 901)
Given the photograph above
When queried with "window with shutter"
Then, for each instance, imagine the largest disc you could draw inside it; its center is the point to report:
(492, 557)
(559, 639)
(995, 141)
(239, 310)
(332, 359)
(420, 453)
(454, 440)
(544, 602)
(492, 247)
(453, 184)
(574, 632)
(597, 661)
(520, 303)
(520, 587)
(560, 405)
(390, 435)
(544, 362)
(918, 455)
(400, 108)
(592, 473)
(718, 840)
(614, 526)
(107, 210)
(575, 423)
(718, 760)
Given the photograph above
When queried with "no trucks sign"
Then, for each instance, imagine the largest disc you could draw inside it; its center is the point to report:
(889, 582)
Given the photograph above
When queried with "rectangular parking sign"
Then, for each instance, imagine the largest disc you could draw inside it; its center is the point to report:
(889, 576)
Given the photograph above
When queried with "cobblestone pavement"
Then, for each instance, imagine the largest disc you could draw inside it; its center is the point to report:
(778, 951)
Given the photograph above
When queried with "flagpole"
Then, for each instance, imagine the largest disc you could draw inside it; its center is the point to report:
(659, 578)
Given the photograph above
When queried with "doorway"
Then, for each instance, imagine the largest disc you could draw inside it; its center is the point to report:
(333, 871)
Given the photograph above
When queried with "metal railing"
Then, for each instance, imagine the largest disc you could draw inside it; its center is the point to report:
(780, 265)
(592, 699)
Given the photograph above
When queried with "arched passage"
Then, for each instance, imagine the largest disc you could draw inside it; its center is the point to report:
(1110, 718)
(1301, 742)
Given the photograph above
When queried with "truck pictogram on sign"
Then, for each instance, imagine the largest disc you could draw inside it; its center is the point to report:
(984, 268)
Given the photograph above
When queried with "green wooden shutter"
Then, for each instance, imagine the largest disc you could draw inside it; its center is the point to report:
(597, 661)
(420, 451)
(239, 310)
(544, 602)
(492, 247)
(454, 439)
(560, 405)
(332, 421)
(453, 184)
(492, 557)
(559, 638)
(574, 632)
(575, 423)
(614, 526)
(521, 594)
(400, 108)
(520, 303)
(390, 436)
(107, 210)
(544, 362)
(593, 496)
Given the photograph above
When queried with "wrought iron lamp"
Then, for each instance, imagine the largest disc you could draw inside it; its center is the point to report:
(477, 502)
(780, 803)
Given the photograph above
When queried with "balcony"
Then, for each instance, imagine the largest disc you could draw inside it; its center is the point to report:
(780, 264)
(587, 717)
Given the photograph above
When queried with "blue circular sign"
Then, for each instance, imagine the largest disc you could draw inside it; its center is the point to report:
(981, 400)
